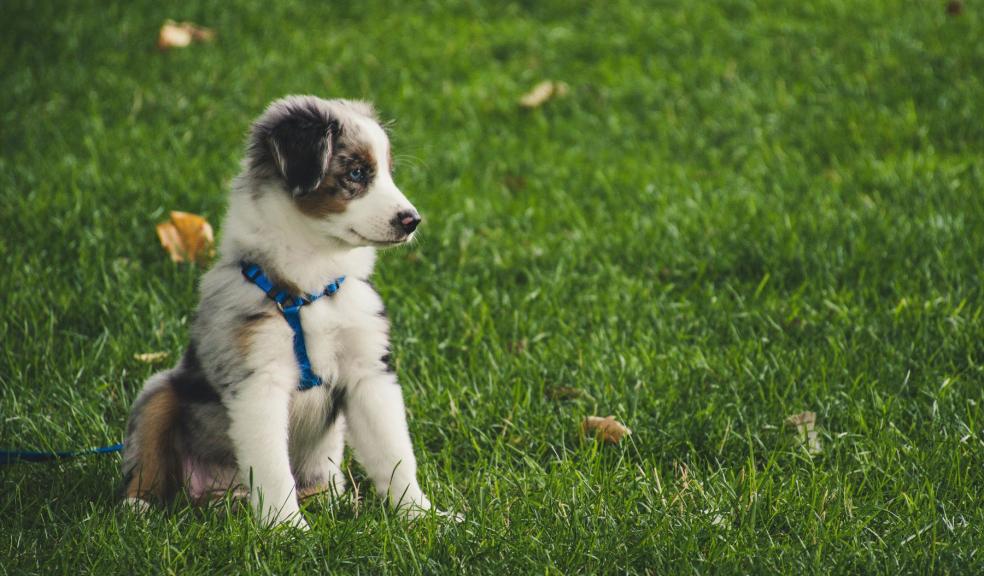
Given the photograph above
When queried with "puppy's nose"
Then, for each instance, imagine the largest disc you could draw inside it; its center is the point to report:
(407, 221)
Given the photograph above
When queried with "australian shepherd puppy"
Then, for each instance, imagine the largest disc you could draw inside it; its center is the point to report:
(314, 200)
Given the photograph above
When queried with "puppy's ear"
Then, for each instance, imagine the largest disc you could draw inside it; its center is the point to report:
(301, 147)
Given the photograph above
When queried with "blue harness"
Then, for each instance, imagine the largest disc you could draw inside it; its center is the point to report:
(290, 306)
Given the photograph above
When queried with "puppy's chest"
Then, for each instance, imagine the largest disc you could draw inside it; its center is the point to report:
(340, 335)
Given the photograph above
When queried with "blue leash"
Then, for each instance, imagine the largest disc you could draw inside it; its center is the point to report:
(289, 305)
(11, 456)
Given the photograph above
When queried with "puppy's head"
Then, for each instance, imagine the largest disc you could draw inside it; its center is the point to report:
(332, 159)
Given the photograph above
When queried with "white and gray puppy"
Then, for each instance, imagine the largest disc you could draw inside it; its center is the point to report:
(313, 201)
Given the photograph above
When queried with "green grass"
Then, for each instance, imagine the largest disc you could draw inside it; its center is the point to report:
(742, 210)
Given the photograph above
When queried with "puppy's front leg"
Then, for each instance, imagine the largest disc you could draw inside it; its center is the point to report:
(377, 424)
(259, 412)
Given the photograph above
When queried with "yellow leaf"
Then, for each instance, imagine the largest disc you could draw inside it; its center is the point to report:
(542, 92)
(180, 34)
(187, 238)
(151, 357)
(608, 429)
(804, 423)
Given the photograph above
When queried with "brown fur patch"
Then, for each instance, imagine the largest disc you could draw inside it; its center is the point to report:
(324, 201)
(283, 283)
(360, 155)
(157, 475)
(247, 329)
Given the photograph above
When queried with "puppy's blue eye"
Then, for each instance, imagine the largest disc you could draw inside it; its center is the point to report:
(357, 175)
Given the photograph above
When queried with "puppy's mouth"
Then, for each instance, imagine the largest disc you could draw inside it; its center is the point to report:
(380, 243)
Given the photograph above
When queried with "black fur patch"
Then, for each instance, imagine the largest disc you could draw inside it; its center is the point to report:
(255, 317)
(387, 360)
(127, 478)
(337, 405)
(189, 381)
(296, 143)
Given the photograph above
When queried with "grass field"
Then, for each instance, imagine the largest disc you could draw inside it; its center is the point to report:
(740, 211)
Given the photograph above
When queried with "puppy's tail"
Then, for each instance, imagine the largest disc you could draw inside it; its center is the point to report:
(152, 470)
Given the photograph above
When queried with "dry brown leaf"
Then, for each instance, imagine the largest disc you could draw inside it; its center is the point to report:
(804, 423)
(181, 34)
(238, 497)
(608, 429)
(151, 357)
(542, 92)
(187, 238)
(514, 182)
(312, 491)
(519, 346)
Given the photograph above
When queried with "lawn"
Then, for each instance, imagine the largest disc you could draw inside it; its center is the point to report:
(739, 211)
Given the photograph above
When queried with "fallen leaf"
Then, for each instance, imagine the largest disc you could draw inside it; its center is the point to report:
(519, 346)
(804, 423)
(187, 238)
(542, 92)
(151, 357)
(181, 34)
(608, 429)
(238, 494)
(514, 182)
(683, 472)
(312, 491)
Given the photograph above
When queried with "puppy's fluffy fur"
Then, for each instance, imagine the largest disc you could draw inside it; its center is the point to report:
(313, 201)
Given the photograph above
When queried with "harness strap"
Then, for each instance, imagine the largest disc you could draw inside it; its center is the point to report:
(290, 306)
(308, 378)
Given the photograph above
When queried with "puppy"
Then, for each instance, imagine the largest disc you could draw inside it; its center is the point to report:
(314, 200)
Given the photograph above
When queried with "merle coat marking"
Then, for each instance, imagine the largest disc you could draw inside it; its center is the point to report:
(314, 200)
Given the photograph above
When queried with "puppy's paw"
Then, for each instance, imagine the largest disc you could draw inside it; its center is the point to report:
(287, 522)
(456, 517)
(293, 521)
(415, 510)
(136, 505)
(297, 522)
(286, 516)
